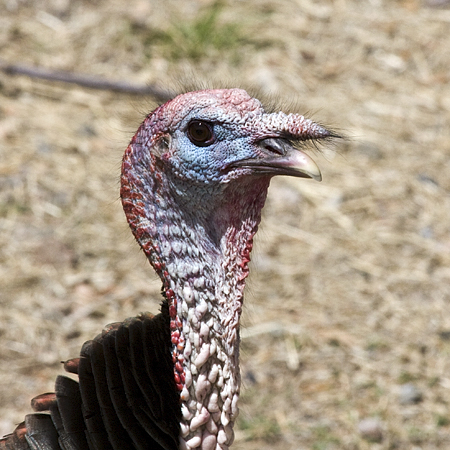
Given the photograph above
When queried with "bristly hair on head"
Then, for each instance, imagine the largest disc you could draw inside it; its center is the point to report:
(272, 103)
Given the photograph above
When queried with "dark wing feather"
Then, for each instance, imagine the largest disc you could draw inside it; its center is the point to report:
(41, 433)
(135, 398)
(155, 333)
(68, 399)
(65, 441)
(137, 364)
(16, 440)
(123, 435)
(113, 428)
(91, 408)
(126, 396)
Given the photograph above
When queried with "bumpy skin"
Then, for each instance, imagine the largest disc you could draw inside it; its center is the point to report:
(193, 203)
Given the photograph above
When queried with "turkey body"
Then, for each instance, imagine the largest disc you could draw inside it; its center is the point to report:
(194, 181)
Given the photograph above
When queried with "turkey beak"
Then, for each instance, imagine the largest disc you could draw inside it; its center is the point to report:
(281, 158)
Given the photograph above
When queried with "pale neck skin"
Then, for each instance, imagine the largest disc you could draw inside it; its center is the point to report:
(209, 293)
(201, 252)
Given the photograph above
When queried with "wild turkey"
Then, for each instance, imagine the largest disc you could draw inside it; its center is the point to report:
(194, 181)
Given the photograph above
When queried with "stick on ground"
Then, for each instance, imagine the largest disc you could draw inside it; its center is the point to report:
(88, 81)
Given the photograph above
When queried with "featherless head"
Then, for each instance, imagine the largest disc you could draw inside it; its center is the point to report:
(194, 148)
(208, 135)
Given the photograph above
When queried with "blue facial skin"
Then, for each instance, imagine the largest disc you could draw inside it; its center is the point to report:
(231, 142)
(207, 164)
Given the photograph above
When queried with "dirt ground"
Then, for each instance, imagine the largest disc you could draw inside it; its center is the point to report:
(346, 330)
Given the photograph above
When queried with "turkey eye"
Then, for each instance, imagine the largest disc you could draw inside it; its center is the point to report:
(200, 133)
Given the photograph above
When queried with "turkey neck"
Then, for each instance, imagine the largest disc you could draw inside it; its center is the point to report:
(198, 239)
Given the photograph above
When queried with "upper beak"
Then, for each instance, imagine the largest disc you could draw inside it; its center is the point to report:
(281, 158)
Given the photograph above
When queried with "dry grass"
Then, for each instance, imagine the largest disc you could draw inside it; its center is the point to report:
(350, 288)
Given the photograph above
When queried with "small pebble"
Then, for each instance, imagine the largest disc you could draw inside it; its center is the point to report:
(371, 429)
(410, 394)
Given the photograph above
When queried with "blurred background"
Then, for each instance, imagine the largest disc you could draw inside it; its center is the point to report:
(346, 328)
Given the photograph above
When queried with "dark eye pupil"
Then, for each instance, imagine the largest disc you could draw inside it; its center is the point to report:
(200, 133)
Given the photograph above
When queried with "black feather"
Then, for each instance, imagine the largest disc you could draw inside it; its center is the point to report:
(117, 435)
(41, 433)
(159, 366)
(68, 398)
(118, 396)
(65, 441)
(126, 397)
(91, 408)
(136, 401)
(16, 440)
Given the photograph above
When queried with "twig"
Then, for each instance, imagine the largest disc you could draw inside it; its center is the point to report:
(87, 81)
(437, 3)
